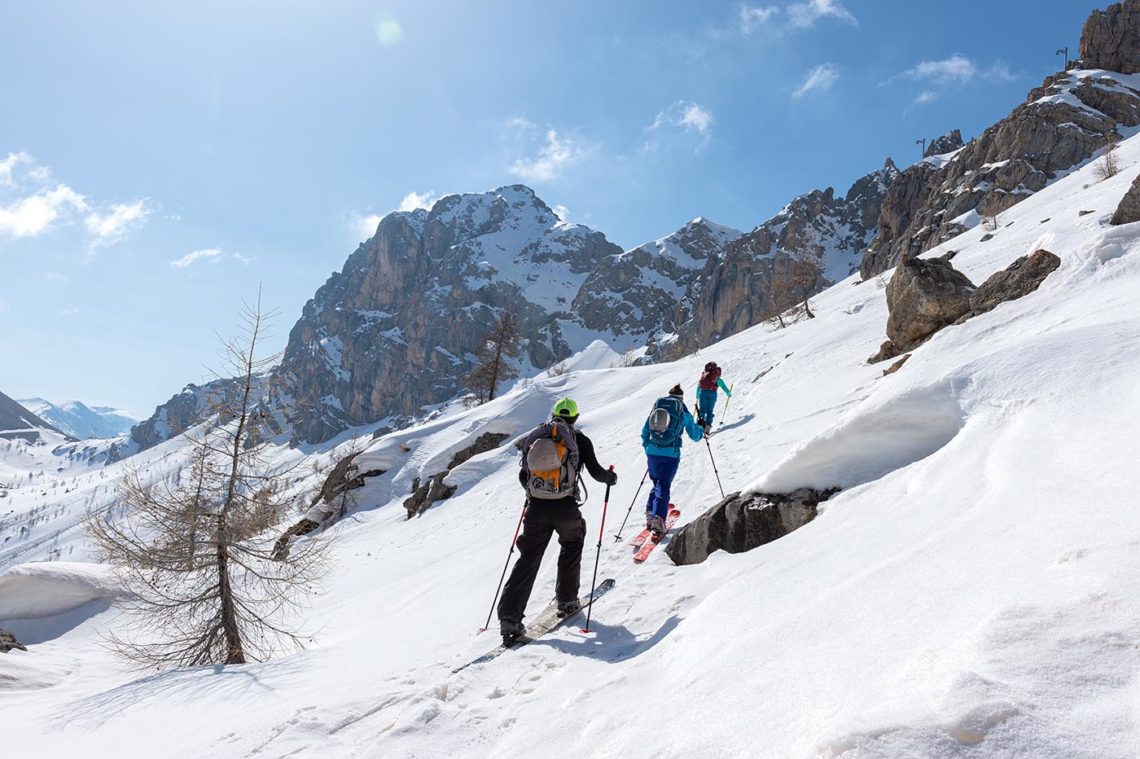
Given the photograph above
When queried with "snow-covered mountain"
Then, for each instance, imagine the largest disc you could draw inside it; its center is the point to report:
(972, 589)
(20, 423)
(649, 290)
(81, 421)
(739, 285)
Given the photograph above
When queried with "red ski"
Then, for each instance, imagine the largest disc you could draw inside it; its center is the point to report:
(640, 538)
(649, 544)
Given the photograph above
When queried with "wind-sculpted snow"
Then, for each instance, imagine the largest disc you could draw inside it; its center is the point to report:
(871, 442)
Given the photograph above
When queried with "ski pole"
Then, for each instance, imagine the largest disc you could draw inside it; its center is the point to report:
(727, 404)
(507, 564)
(713, 460)
(597, 558)
(617, 537)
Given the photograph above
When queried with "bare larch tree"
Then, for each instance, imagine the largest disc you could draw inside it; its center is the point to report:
(492, 364)
(192, 549)
(794, 282)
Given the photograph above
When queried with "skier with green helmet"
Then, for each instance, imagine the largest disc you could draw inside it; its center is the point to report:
(553, 455)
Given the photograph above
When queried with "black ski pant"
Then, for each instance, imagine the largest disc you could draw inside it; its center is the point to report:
(543, 519)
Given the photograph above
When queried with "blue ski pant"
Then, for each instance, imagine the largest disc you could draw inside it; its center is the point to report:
(706, 399)
(662, 470)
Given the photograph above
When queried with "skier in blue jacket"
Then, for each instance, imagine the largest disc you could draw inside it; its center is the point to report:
(661, 437)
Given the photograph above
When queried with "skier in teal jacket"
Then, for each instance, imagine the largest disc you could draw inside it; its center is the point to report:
(706, 394)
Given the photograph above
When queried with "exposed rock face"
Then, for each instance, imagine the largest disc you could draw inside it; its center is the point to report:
(1020, 278)
(650, 289)
(198, 403)
(1129, 209)
(1063, 122)
(1111, 38)
(927, 294)
(735, 289)
(923, 296)
(947, 143)
(742, 522)
(423, 496)
(488, 441)
(395, 330)
(8, 642)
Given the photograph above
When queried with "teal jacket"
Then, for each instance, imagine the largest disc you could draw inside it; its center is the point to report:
(688, 424)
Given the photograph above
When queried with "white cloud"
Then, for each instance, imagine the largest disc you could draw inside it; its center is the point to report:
(67, 312)
(562, 212)
(555, 155)
(32, 215)
(802, 15)
(752, 17)
(819, 79)
(363, 225)
(193, 256)
(414, 200)
(957, 69)
(113, 225)
(682, 115)
(696, 117)
(8, 166)
(31, 204)
(247, 260)
(926, 96)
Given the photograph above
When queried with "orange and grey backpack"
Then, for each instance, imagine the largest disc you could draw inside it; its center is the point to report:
(550, 460)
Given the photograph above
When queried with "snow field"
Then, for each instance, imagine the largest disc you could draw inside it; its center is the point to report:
(972, 591)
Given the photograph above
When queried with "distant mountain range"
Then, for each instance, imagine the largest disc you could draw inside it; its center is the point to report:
(18, 423)
(80, 420)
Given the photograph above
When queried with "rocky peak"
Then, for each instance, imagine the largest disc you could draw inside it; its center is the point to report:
(947, 143)
(648, 290)
(1111, 38)
(1071, 116)
(395, 330)
(735, 290)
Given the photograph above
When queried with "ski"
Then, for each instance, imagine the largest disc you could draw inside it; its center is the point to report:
(544, 623)
(647, 548)
(641, 537)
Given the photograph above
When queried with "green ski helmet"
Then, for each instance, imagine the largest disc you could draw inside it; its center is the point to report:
(565, 408)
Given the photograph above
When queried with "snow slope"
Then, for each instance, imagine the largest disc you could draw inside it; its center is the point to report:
(973, 591)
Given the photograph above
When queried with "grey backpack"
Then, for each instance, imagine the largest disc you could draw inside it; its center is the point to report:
(550, 459)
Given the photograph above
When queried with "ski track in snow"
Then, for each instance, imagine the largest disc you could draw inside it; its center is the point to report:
(971, 592)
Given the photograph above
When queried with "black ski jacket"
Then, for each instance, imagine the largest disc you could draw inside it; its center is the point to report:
(586, 458)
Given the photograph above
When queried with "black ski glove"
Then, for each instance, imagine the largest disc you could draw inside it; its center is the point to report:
(613, 478)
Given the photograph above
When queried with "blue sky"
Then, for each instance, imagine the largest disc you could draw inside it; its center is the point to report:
(159, 160)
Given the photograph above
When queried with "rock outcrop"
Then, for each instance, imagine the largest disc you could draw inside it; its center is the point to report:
(741, 522)
(741, 286)
(488, 441)
(424, 494)
(927, 294)
(923, 296)
(8, 642)
(1071, 116)
(1111, 38)
(1129, 209)
(947, 143)
(1017, 280)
